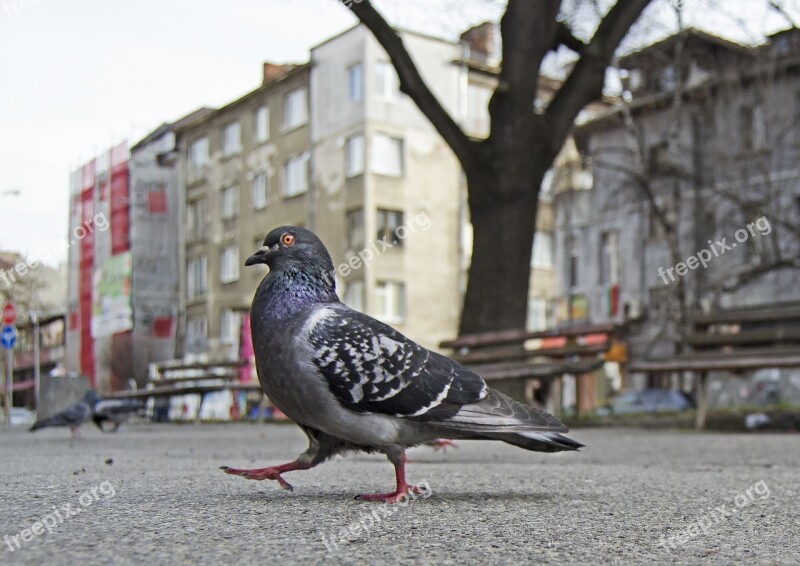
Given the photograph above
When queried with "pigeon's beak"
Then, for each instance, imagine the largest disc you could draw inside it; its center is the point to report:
(259, 257)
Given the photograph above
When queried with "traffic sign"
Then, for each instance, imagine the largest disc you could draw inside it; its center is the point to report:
(9, 314)
(8, 336)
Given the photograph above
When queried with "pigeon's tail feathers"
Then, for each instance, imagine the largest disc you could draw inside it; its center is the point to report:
(539, 441)
(499, 414)
(44, 423)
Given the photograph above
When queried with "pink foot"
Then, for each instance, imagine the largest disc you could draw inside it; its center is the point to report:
(271, 473)
(394, 497)
(443, 444)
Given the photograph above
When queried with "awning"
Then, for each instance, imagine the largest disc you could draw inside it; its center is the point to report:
(20, 386)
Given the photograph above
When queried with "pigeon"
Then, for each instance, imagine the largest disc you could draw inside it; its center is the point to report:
(115, 411)
(353, 383)
(73, 416)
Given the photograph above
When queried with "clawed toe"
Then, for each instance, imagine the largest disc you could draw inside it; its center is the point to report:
(259, 474)
(394, 497)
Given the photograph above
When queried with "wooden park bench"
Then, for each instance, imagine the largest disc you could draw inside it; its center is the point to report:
(734, 340)
(168, 379)
(511, 357)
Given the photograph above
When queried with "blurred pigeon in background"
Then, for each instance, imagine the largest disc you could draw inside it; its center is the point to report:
(116, 411)
(353, 383)
(73, 416)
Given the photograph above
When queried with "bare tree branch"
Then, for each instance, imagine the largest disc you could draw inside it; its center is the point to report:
(412, 83)
(733, 282)
(781, 9)
(565, 37)
(585, 82)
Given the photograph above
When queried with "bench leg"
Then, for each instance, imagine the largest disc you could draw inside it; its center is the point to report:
(702, 400)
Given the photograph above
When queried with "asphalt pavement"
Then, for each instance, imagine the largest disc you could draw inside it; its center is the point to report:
(153, 494)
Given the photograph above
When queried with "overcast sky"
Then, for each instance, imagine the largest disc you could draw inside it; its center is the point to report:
(79, 76)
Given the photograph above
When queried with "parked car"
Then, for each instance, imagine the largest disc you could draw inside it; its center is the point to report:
(19, 417)
(648, 401)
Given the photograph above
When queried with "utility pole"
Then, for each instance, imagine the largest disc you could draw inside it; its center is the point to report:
(9, 384)
(36, 366)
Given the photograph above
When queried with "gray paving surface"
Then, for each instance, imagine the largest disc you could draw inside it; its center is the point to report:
(160, 499)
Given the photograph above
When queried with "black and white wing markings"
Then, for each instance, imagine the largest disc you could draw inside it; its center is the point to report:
(370, 367)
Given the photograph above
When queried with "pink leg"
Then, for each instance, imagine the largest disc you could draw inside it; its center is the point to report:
(402, 487)
(270, 473)
(443, 444)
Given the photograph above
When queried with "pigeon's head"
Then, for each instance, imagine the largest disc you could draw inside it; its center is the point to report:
(91, 397)
(293, 247)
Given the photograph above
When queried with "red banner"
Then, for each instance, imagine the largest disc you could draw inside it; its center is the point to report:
(85, 277)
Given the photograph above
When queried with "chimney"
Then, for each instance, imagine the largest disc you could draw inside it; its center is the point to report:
(482, 41)
(273, 71)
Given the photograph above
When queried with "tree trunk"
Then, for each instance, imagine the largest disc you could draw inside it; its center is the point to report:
(503, 225)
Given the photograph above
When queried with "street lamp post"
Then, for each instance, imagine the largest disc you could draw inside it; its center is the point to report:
(36, 369)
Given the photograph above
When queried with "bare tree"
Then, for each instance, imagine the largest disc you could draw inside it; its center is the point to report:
(504, 172)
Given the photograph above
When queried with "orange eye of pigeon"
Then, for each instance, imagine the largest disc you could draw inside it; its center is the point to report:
(287, 239)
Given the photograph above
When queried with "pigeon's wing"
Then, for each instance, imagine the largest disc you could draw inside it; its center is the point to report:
(73, 415)
(370, 367)
(112, 408)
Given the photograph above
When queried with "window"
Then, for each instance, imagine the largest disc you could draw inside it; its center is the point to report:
(295, 176)
(572, 266)
(668, 80)
(198, 157)
(386, 83)
(387, 222)
(260, 197)
(261, 129)
(196, 219)
(196, 277)
(354, 295)
(547, 187)
(542, 250)
(391, 301)
(656, 230)
(609, 258)
(230, 322)
(387, 155)
(355, 81)
(295, 109)
(478, 109)
(229, 264)
(759, 127)
(355, 230)
(537, 315)
(752, 133)
(196, 328)
(635, 79)
(354, 156)
(230, 202)
(231, 139)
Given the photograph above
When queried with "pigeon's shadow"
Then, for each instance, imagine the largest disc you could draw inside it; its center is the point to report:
(466, 496)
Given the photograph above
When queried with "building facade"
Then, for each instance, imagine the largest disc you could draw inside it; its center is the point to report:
(690, 200)
(122, 276)
(244, 170)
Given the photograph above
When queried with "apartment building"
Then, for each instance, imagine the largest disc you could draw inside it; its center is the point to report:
(386, 184)
(244, 170)
(334, 146)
